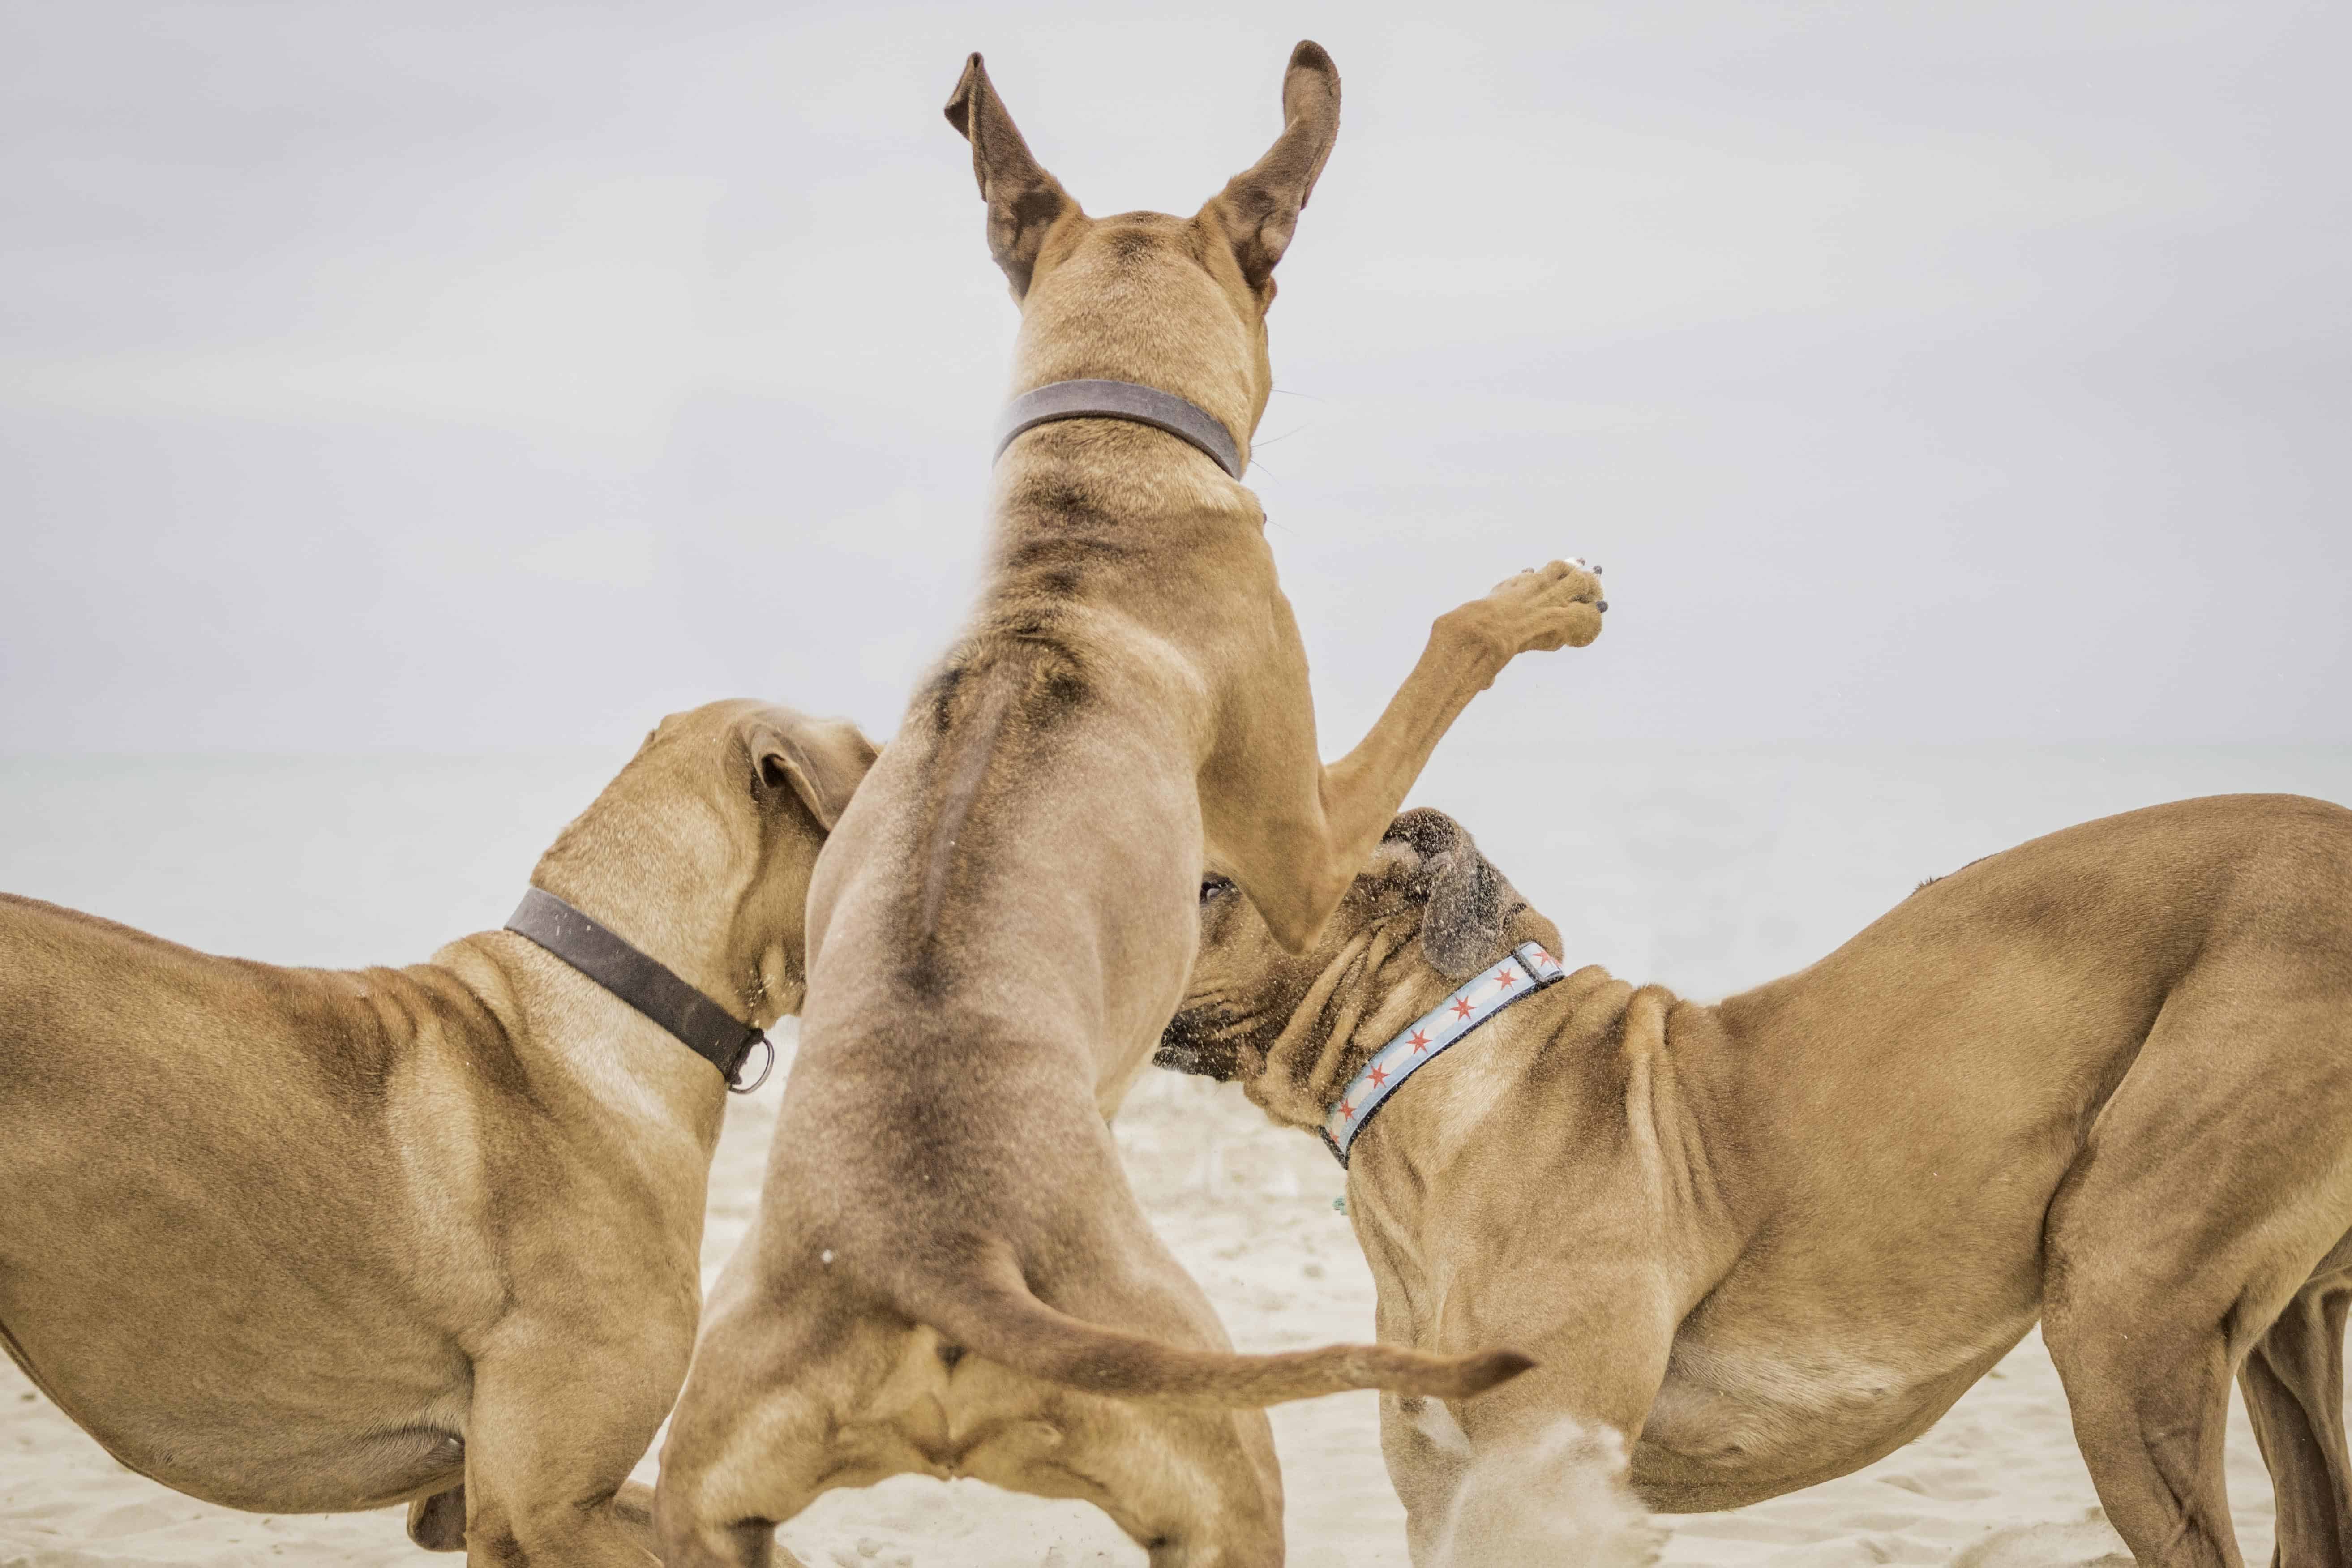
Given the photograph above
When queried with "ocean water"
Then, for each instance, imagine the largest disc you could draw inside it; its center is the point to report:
(1704, 869)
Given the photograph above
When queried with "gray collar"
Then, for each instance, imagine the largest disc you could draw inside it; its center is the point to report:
(1128, 400)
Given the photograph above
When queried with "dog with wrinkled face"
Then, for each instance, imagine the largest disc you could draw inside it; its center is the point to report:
(311, 1241)
(2099, 1079)
(950, 1275)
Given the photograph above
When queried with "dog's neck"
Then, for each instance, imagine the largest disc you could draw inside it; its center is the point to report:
(1588, 1113)
(1178, 335)
(677, 887)
(674, 907)
(1586, 1027)
(566, 1027)
(1376, 984)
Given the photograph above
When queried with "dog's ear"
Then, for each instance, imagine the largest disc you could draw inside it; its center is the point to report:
(1024, 200)
(1259, 209)
(821, 760)
(1465, 902)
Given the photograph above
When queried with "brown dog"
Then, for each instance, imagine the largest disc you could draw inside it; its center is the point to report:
(949, 1272)
(2099, 1079)
(304, 1241)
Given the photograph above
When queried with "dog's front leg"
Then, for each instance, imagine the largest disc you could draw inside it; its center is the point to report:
(437, 1523)
(556, 1426)
(1524, 1472)
(1294, 832)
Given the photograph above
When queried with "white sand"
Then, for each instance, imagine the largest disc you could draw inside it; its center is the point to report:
(1248, 1208)
(1707, 869)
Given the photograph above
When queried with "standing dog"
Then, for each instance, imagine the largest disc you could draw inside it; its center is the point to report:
(2100, 1079)
(306, 1241)
(950, 1274)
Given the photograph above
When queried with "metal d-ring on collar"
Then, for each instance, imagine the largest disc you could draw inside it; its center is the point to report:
(645, 983)
(1128, 400)
(1526, 971)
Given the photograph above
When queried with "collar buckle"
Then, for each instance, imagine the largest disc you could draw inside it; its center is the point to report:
(735, 1084)
(643, 982)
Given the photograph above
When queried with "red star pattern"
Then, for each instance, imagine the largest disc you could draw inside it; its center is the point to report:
(1541, 970)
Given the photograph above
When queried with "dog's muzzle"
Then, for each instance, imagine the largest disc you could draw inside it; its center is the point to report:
(1191, 1044)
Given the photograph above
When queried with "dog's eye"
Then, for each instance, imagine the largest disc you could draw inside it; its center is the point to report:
(1215, 887)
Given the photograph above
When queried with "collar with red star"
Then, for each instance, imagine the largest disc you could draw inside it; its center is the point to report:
(1527, 971)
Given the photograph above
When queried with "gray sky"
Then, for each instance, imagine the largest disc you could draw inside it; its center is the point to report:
(451, 376)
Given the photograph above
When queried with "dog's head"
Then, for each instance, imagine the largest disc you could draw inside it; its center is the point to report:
(1178, 303)
(1428, 913)
(709, 836)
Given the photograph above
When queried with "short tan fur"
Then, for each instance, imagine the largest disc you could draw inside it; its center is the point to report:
(950, 1275)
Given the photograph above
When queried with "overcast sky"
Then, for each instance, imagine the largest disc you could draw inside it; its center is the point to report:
(451, 376)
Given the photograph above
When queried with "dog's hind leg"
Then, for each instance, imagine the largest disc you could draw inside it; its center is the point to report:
(755, 1436)
(1196, 1486)
(2293, 1383)
(2151, 1397)
(2211, 1186)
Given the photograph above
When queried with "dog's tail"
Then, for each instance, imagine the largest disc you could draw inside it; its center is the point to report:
(995, 1315)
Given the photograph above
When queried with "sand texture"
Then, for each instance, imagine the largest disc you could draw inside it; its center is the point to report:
(1248, 1207)
(1708, 869)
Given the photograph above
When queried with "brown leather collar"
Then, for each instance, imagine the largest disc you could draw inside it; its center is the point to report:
(645, 983)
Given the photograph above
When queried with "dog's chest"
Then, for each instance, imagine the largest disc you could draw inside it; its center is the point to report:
(1730, 1414)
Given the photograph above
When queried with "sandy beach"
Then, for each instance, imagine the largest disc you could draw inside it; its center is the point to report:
(403, 407)
(1248, 1207)
(1712, 869)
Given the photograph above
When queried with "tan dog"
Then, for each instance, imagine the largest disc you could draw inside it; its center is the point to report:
(301, 1241)
(2099, 1079)
(1004, 918)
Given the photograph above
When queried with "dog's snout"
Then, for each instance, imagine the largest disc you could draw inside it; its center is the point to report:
(1175, 1058)
(1190, 1044)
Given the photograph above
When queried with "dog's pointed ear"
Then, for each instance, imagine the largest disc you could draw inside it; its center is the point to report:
(1024, 200)
(1259, 208)
(821, 760)
(1466, 904)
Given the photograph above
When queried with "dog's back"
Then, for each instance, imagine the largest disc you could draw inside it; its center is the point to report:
(160, 1109)
(91, 1008)
(84, 1000)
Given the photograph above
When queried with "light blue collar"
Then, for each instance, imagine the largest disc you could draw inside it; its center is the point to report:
(1527, 971)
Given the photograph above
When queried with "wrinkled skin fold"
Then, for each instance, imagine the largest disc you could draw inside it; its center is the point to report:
(2099, 1080)
(304, 1240)
(949, 1276)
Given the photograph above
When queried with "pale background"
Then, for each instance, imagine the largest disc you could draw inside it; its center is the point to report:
(400, 408)
(451, 376)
